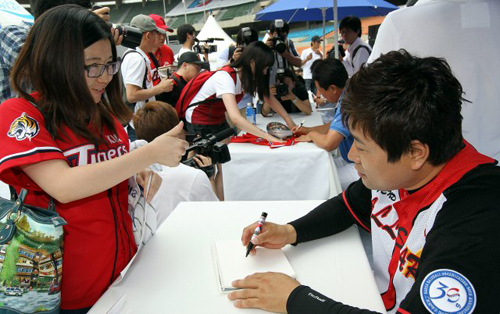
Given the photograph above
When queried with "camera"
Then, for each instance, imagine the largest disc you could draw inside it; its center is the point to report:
(209, 146)
(247, 36)
(131, 35)
(201, 49)
(279, 41)
(281, 86)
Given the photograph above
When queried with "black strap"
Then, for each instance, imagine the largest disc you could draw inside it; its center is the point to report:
(356, 50)
(145, 73)
(176, 79)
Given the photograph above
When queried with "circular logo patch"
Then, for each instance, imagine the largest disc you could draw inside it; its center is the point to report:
(447, 291)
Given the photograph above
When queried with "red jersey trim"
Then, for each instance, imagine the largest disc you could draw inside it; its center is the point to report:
(352, 212)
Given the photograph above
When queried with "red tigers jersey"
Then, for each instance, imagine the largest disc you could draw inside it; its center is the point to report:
(99, 240)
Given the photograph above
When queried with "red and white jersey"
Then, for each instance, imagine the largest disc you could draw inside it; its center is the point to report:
(400, 223)
(99, 241)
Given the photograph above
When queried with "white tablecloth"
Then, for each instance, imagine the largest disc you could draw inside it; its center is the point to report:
(174, 272)
(299, 172)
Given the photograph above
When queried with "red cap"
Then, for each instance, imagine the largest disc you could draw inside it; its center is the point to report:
(160, 22)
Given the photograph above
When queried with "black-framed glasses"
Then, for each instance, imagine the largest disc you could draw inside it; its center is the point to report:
(95, 70)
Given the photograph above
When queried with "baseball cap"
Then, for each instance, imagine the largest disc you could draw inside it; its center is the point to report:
(316, 38)
(145, 24)
(190, 57)
(160, 22)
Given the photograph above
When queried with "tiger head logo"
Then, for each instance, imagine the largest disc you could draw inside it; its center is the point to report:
(24, 127)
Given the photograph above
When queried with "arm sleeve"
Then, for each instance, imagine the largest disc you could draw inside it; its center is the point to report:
(336, 215)
(133, 69)
(224, 83)
(360, 58)
(306, 300)
(25, 141)
(464, 239)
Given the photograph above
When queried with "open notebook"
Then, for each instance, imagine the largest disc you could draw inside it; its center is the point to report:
(231, 263)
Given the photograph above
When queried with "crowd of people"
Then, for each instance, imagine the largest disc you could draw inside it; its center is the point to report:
(102, 121)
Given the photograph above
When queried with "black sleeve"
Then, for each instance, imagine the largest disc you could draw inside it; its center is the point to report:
(336, 214)
(464, 238)
(306, 300)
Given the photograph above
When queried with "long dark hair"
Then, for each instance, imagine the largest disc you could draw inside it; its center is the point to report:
(52, 62)
(263, 57)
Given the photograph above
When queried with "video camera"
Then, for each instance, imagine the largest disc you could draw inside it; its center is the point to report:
(201, 49)
(209, 146)
(279, 41)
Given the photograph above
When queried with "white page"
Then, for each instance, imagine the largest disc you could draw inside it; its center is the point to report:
(231, 263)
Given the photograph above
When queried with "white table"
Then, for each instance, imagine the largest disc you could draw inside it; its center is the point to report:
(299, 172)
(174, 272)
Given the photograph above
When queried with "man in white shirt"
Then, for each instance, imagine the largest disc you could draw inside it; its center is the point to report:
(308, 56)
(465, 33)
(136, 66)
(186, 34)
(358, 52)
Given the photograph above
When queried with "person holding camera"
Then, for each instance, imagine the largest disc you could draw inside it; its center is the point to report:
(181, 183)
(186, 34)
(66, 142)
(308, 56)
(188, 67)
(291, 93)
(284, 50)
(358, 52)
(136, 66)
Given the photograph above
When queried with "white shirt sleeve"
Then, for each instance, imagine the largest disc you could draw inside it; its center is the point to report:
(223, 83)
(201, 190)
(133, 68)
(387, 39)
(360, 58)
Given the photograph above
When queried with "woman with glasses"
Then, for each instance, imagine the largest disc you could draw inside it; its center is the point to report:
(65, 142)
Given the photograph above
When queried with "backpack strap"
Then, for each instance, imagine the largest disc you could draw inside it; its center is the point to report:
(145, 73)
(176, 79)
(356, 50)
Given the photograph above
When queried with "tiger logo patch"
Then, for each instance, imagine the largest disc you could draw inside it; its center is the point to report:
(24, 127)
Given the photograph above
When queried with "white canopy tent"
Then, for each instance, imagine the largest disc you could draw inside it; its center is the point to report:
(212, 29)
(12, 13)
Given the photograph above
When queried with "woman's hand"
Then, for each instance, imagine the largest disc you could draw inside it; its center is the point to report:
(143, 180)
(167, 149)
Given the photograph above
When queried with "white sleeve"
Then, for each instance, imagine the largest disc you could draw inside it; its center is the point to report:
(201, 190)
(133, 68)
(348, 66)
(304, 54)
(224, 84)
(360, 58)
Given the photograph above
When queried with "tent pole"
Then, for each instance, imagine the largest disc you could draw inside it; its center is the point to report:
(323, 10)
(336, 34)
(185, 14)
(165, 16)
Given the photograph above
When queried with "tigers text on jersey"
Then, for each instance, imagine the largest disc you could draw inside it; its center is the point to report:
(99, 241)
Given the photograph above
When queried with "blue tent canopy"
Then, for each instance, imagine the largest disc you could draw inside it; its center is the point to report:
(311, 10)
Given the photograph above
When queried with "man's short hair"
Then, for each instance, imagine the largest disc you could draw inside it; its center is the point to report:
(154, 119)
(40, 6)
(400, 98)
(351, 22)
(284, 29)
(328, 72)
(183, 31)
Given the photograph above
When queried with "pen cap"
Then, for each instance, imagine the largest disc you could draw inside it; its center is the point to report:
(264, 214)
